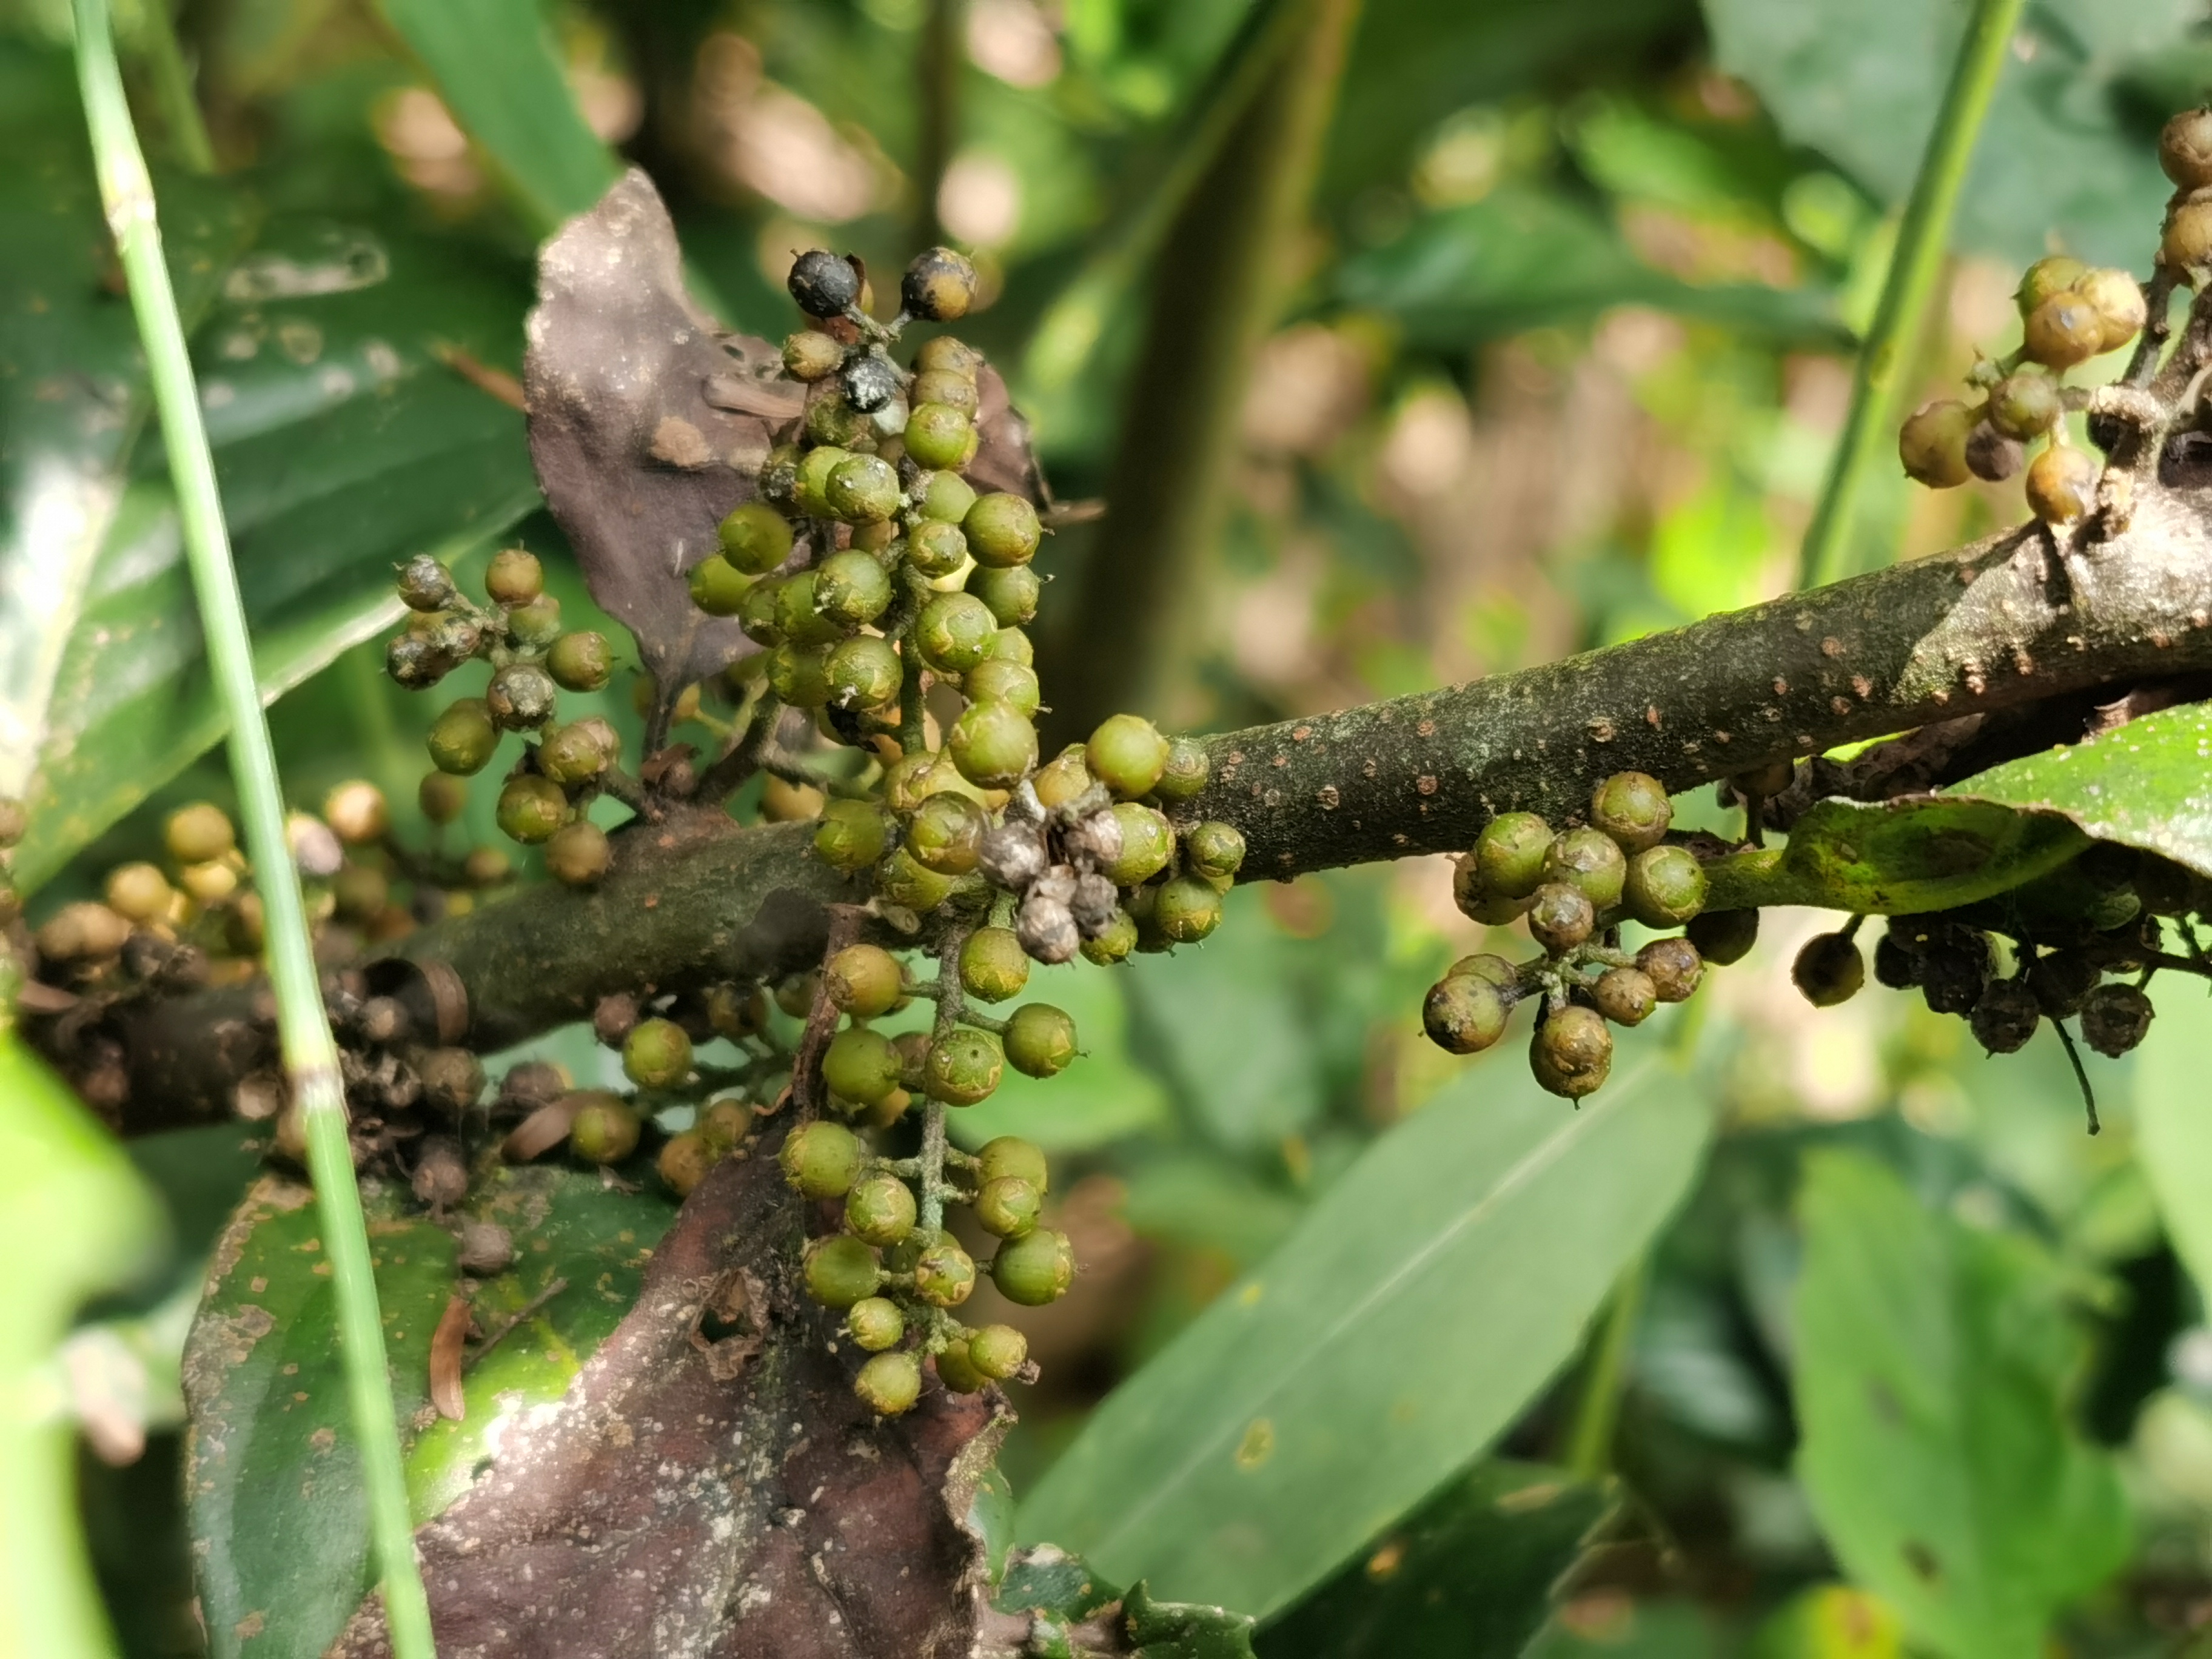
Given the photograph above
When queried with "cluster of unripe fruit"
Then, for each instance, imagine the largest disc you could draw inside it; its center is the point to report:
(1573, 888)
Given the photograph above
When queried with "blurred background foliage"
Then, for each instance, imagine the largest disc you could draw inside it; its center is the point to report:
(1552, 359)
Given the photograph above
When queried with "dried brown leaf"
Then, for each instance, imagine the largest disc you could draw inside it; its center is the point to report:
(446, 1343)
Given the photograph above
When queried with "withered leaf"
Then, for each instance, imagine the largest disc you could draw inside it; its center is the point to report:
(446, 1343)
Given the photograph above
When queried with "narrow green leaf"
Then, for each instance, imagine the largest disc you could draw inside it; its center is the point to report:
(1424, 1301)
(1931, 1364)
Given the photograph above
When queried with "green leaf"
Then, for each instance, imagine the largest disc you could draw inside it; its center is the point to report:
(496, 68)
(74, 1219)
(2173, 1132)
(1183, 1630)
(1060, 1591)
(1422, 1302)
(1931, 1364)
(1468, 1575)
(2059, 157)
(1103, 1097)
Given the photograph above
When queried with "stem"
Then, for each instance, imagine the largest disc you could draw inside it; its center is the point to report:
(1913, 268)
(951, 1002)
(173, 89)
(937, 67)
(1597, 1405)
(310, 1055)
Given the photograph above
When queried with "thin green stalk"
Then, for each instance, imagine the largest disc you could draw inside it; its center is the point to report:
(310, 1053)
(1597, 1405)
(173, 87)
(1921, 240)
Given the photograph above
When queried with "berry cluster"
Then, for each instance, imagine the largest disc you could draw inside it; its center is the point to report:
(1573, 889)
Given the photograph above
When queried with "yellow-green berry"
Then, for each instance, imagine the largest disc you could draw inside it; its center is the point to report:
(992, 743)
(530, 809)
(1040, 1040)
(461, 741)
(657, 1054)
(999, 1351)
(944, 1274)
(821, 1159)
(1009, 1206)
(840, 1270)
(993, 967)
(880, 1209)
(852, 835)
(863, 980)
(1002, 530)
(1035, 1270)
(876, 1323)
(1127, 754)
(962, 1068)
(581, 661)
(860, 1065)
(1508, 854)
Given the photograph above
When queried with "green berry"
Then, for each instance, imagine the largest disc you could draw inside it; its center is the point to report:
(956, 1369)
(800, 618)
(1010, 594)
(1035, 1270)
(1632, 808)
(1932, 444)
(1011, 644)
(1625, 996)
(962, 1066)
(939, 435)
(685, 1160)
(850, 587)
(1215, 850)
(992, 743)
(1561, 916)
(863, 981)
(862, 490)
(2063, 331)
(946, 498)
(954, 632)
(1127, 754)
(606, 1131)
(461, 741)
(1673, 966)
(442, 797)
(1186, 771)
(799, 674)
(727, 1122)
(530, 809)
(1112, 943)
(1002, 531)
(996, 680)
(1464, 1015)
(810, 356)
(834, 421)
(514, 577)
(1665, 886)
(860, 1065)
(1591, 861)
(1186, 909)
(1040, 1040)
(1508, 854)
(840, 1270)
(880, 1209)
(1571, 1052)
(889, 1383)
(1147, 843)
(944, 385)
(520, 697)
(760, 612)
(581, 661)
(939, 286)
(1495, 970)
(944, 1274)
(901, 879)
(1010, 1157)
(1008, 1207)
(2061, 484)
(876, 1323)
(779, 476)
(2025, 404)
(1062, 778)
(1477, 903)
(946, 833)
(2046, 279)
(947, 353)
(936, 549)
(536, 624)
(863, 672)
(1829, 969)
(717, 587)
(999, 1351)
(852, 835)
(657, 1054)
(578, 854)
(993, 967)
(821, 1159)
(810, 482)
(1722, 937)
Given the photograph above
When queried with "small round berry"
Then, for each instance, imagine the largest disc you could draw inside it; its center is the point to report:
(424, 585)
(952, 356)
(536, 624)
(209, 884)
(1011, 644)
(996, 679)
(1955, 972)
(863, 672)
(1932, 443)
(356, 812)
(810, 481)
(943, 385)
(1062, 778)
(799, 675)
(2114, 1019)
(956, 1369)
(1010, 595)
(139, 893)
(862, 490)
(1215, 850)
(727, 1122)
(1489, 968)
(901, 880)
(1035, 1270)
(938, 287)
(778, 482)
(2025, 404)
(946, 497)
(461, 739)
(880, 1209)
(938, 435)
(2117, 300)
(487, 867)
(657, 1054)
(1464, 1015)
(530, 809)
(2186, 244)
(1186, 909)
(2063, 331)
(1147, 844)
(1896, 960)
(2061, 484)
(946, 833)
(579, 752)
(1509, 853)
(514, 577)
(1127, 754)
(1723, 937)
(1571, 1052)
(824, 284)
(2062, 983)
(954, 632)
(521, 696)
(606, 1131)
(84, 931)
(2046, 279)
(717, 587)
(1589, 859)
(1047, 927)
(889, 1383)
(911, 1049)
(684, 1161)
(840, 1270)
(2005, 1017)
(755, 538)
(1632, 808)
(1829, 969)
(869, 383)
(1040, 1040)
(442, 797)
(944, 1274)
(1009, 1157)
(1673, 966)
(936, 549)
(412, 664)
(1624, 995)
(1665, 886)
(1186, 771)
(1560, 916)
(992, 743)
(821, 1159)
(798, 612)
(962, 1068)
(1991, 456)
(999, 1351)
(860, 1065)
(876, 1323)
(810, 356)
(1113, 941)
(1002, 530)
(760, 613)
(1008, 1207)
(852, 836)
(993, 967)
(577, 854)
(2184, 148)
(581, 661)
(863, 981)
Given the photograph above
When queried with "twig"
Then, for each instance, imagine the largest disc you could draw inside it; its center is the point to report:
(493, 1337)
(742, 758)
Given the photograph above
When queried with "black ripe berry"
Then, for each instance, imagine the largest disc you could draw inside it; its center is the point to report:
(938, 286)
(2005, 1017)
(870, 383)
(1953, 972)
(2114, 1019)
(1829, 969)
(1897, 960)
(824, 284)
(1723, 937)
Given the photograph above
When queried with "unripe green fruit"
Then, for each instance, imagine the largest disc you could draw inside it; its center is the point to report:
(946, 833)
(1571, 1052)
(1509, 853)
(1560, 916)
(821, 1159)
(582, 661)
(1477, 903)
(862, 490)
(726, 1123)
(514, 577)
(1002, 530)
(1723, 937)
(1127, 754)
(833, 420)
(1112, 943)
(876, 1323)
(1009, 1157)
(520, 695)
(992, 743)
(863, 672)
(936, 549)
(901, 879)
(2184, 148)
(800, 618)
(889, 1383)
(606, 1131)
(657, 1054)
(1829, 969)
(946, 497)
(799, 674)
(2025, 404)
(810, 482)
(996, 680)
(852, 835)
(850, 587)
(684, 1162)
(2046, 279)
(2063, 331)
(1011, 644)
(1040, 1040)
(530, 809)
(939, 435)
(1186, 909)
(2117, 300)
(2061, 484)
(939, 286)
(999, 1351)
(577, 854)
(1932, 443)
(1062, 778)
(948, 353)
(1464, 1015)
(944, 1274)
(1186, 771)
(810, 356)
(461, 740)
(1147, 844)
(779, 477)
(1492, 968)
(1215, 850)
(962, 1068)
(839, 1271)
(1673, 966)
(2115, 1018)
(1035, 1270)
(717, 587)
(760, 611)
(1008, 1207)
(957, 1369)
(1590, 860)
(943, 385)
(425, 585)
(954, 632)
(535, 623)
(1625, 996)
(880, 1209)
(993, 964)
(860, 1065)
(863, 981)
(1665, 886)
(1631, 808)
(442, 797)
